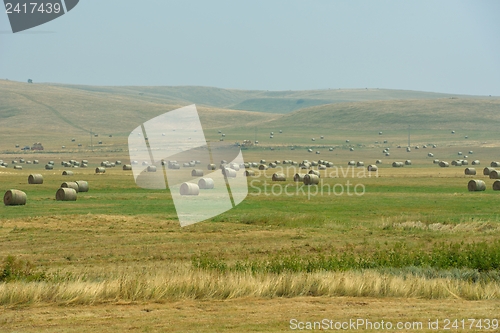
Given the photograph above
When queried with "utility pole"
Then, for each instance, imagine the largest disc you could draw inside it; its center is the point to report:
(91, 140)
(408, 135)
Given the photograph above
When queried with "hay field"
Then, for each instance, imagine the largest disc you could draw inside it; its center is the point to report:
(414, 245)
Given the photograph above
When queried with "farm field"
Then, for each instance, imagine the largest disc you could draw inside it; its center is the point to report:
(400, 244)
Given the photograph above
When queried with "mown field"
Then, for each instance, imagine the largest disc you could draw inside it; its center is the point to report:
(414, 235)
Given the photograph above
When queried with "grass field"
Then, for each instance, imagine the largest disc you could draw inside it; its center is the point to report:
(403, 244)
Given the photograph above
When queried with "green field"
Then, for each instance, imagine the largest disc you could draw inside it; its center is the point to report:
(407, 243)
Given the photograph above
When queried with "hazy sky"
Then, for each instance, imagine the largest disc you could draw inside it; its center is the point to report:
(440, 46)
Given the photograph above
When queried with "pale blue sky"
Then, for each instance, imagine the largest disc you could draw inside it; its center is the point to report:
(440, 46)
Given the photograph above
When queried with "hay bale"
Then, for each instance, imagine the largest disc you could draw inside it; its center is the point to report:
(351, 149)
(36, 162)
(351, 163)
(496, 185)
(67, 173)
(476, 185)
(152, 168)
(321, 167)
(430, 155)
(100, 170)
(408, 149)
(229, 173)
(487, 171)
(211, 166)
(72, 185)
(83, 186)
(444, 164)
(272, 165)
(49, 166)
(330, 149)
(14, 198)
(465, 162)
(35, 179)
(206, 183)
(435, 161)
(299, 177)
(311, 179)
(360, 164)
(476, 162)
(189, 189)
(470, 171)
(66, 194)
(249, 173)
(127, 167)
(309, 150)
(186, 165)
(18, 167)
(262, 167)
(494, 174)
(397, 164)
(378, 162)
(22, 160)
(197, 173)
(279, 177)
(314, 172)
(495, 164)
(456, 163)
(118, 163)
(236, 167)
(372, 167)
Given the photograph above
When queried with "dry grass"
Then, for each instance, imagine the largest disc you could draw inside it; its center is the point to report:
(173, 282)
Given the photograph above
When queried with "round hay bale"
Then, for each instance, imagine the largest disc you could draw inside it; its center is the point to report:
(397, 164)
(84, 165)
(378, 162)
(351, 163)
(487, 171)
(476, 162)
(14, 198)
(14, 162)
(152, 168)
(118, 163)
(67, 173)
(456, 163)
(314, 172)
(49, 166)
(229, 173)
(435, 161)
(100, 170)
(211, 166)
(174, 166)
(35, 179)
(50, 162)
(197, 173)
(279, 177)
(246, 165)
(311, 179)
(206, 183)
(262, 167)
(408, 149)
(309, 150)
(470, 171)
(66, 194)
(329, 164)
(330, 149)
(85, 162)
(372, 167)
(18, 167)
(387, 154)
(351, 149)
(360, 164)
(186, 165)
(444, 164)
(321, 167)
(72, 185)
(299, 177)
(495, 164)
(235, 166)
(22, 160)
(36, 162)
(127, 167)
(476, 185)
(249, 173)
(496, 185)
(83, 186)
(494, 174)
(272, 165)
(189, 189)
(465, 162)
(430, 155)
(255, 165)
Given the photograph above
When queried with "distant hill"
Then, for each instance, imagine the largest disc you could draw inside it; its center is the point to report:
(47, 112)
(257, 100)
(443, 113)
